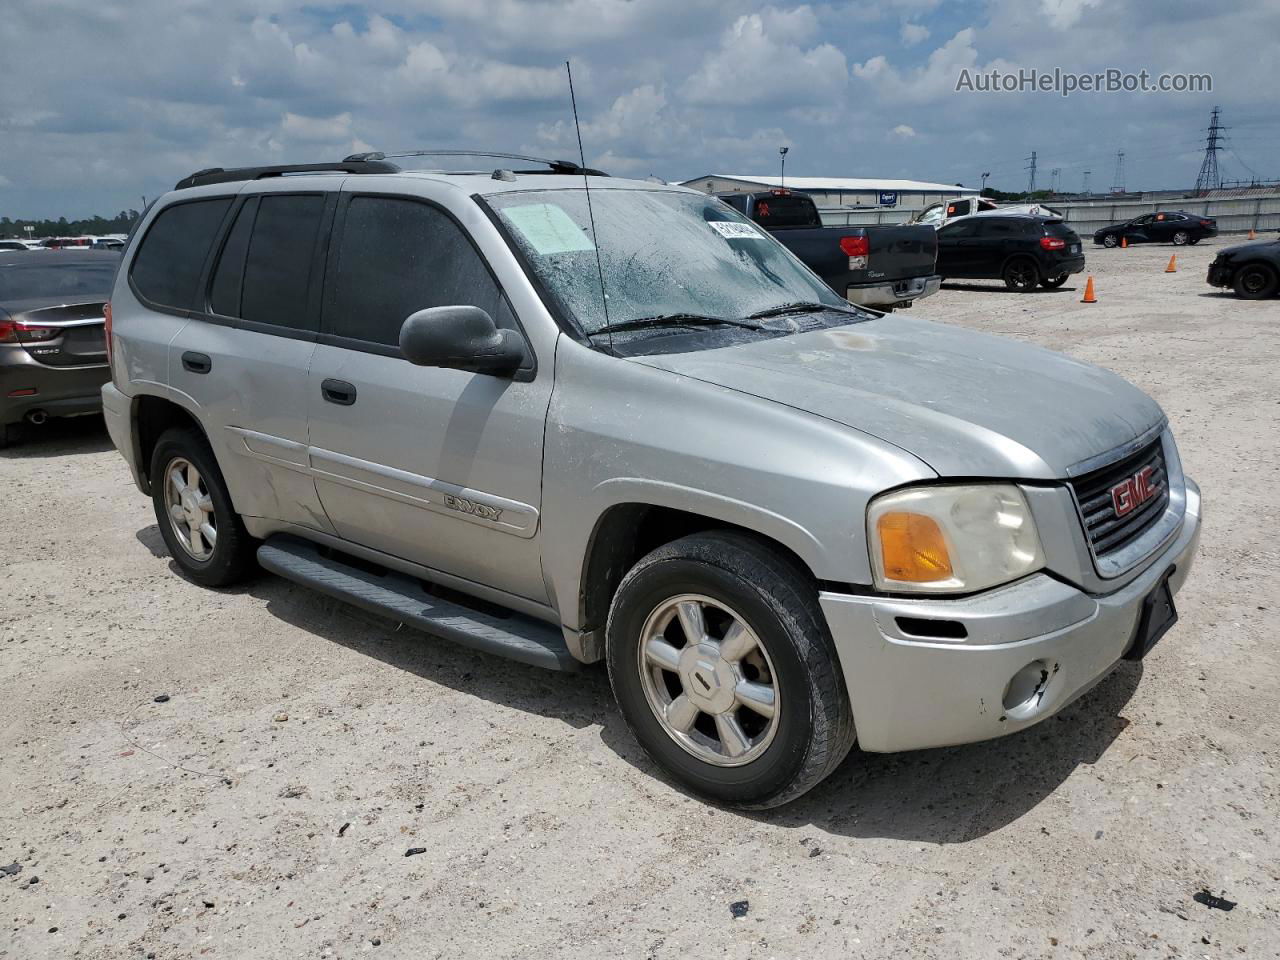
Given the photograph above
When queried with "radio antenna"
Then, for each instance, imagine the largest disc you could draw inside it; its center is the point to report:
(591, 217)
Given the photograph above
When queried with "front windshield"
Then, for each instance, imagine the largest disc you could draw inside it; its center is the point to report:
(663, 253)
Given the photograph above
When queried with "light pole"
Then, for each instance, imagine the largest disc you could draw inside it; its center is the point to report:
(782, 152)
(984, 181)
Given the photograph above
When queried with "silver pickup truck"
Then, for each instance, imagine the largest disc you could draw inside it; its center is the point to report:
(626, 424)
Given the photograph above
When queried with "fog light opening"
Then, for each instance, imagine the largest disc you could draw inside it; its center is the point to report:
(1024, 696)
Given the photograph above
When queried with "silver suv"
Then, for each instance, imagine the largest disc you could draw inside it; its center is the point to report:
(568, 425)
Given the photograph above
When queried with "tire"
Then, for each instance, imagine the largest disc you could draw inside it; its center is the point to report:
(1181, 238)
(1256, 281)
(1021, 274)
(230, 557)
(1111, 240)
(1052, 283)
(730, 577)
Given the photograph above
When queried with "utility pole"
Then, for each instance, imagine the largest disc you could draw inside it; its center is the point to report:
(1209, 178)
(1085, 188)
(1053, 179)
(1031, 180)
(1117, 182)
(782, 152)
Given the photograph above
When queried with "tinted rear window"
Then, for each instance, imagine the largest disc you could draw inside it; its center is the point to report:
(167, 267)
(771, 211)
(397, 257)
(228, 276)
(80, 281)
(277, 270)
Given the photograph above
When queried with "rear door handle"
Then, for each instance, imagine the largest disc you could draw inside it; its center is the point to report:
(339, 392)
(196, 362)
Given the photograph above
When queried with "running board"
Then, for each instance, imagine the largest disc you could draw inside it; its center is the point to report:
(403, 598)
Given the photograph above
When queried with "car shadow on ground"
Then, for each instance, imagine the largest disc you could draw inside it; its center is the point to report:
(992, 288)
(60, 437)
(949, 795)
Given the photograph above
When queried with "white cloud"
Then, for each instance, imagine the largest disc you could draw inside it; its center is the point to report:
(753, 66)
(913, 33)
(1064, 14)
(902, 132)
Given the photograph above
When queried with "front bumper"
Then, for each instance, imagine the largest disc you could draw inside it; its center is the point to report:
(1220, 274)
(896, 293)
(59, 391)
(910, 692)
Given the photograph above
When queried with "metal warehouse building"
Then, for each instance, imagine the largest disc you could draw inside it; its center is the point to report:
(903, 197)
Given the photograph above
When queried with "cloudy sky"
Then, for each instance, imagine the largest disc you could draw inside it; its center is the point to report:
(102, 101)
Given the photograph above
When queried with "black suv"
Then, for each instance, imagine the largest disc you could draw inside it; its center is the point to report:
(1023, 251)
(1164, 226)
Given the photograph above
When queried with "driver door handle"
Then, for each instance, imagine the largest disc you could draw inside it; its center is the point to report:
(339, 392)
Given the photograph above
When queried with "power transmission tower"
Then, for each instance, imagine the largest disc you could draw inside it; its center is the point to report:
(1117, 182)
(1031, 181)
(1209, 178)
(1085, 188)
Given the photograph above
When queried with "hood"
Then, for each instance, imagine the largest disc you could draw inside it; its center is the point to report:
(966, 403)
(1252, 245)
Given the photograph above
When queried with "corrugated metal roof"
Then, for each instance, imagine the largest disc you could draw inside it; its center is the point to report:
(841, 183)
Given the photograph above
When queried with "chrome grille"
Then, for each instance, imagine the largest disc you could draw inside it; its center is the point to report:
(1107, 532)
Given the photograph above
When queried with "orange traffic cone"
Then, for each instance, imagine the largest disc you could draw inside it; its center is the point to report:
(1124, 241)
(1253, 234)
(1088, 291)
(1173, 264)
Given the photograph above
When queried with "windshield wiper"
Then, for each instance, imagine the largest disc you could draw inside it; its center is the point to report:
(676, 320)
(801, 306)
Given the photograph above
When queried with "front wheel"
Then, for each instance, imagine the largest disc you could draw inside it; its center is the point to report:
(725, 671)
(1110, 240)
(1052, 283)
(1256, 281)
(1021, 274)
(1181, 238)
(202, 530)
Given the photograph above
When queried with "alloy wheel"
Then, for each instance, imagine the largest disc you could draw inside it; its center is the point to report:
(190, 509)
(708, 679)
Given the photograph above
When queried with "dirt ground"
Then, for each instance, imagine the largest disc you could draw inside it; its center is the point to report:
(265, 809)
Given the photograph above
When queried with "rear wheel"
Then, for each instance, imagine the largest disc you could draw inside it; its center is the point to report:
(723, 667)
(1052, 283)
(205, 535)
(1110, 240)
(1022, 274)
(1181, 238)
(1256, 281)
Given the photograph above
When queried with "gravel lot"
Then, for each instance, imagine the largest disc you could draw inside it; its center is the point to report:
(266, 808)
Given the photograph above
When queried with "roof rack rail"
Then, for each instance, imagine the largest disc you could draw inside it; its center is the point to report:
(357, 163)
(556, 166)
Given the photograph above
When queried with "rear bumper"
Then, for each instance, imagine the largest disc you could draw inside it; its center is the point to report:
(893, 293)
(59, 391)
(117, 411)
(909, 692)
(1068, 264)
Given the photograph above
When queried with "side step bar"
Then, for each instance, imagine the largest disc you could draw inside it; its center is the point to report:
(403, 598)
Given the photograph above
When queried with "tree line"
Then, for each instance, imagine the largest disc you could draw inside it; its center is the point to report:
(62, 227)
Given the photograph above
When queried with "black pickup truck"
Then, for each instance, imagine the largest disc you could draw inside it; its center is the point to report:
(875, 266)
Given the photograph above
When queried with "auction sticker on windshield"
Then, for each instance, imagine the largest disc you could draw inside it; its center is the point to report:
(547, 228)
(732, 230)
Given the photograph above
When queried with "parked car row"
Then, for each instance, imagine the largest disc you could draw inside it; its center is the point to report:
(109, 242)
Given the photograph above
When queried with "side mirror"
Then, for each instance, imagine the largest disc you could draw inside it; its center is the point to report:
(461, 338)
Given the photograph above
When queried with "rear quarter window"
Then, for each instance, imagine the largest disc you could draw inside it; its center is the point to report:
(168, 264)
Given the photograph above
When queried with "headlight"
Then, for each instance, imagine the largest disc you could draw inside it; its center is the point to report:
(952, 539)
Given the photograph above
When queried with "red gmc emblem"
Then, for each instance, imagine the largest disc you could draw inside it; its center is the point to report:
(1128, 495)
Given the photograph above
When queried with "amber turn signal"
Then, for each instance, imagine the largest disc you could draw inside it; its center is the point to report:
(913, 548)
